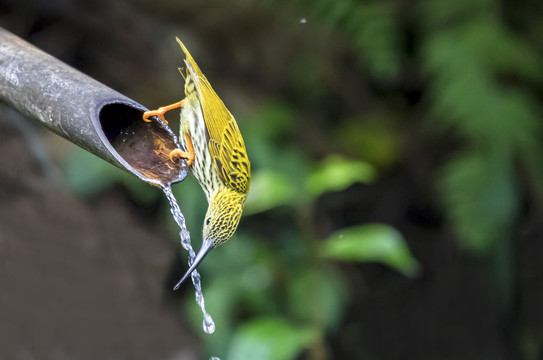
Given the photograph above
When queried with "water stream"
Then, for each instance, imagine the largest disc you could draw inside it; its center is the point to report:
(208, 324)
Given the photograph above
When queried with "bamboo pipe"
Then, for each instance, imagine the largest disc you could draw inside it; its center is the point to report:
(86, 112)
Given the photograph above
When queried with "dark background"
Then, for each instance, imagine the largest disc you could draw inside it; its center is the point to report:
(395, 208)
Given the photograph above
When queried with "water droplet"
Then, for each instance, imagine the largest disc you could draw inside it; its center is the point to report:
(209, 324)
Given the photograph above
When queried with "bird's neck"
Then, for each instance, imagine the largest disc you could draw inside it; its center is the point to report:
(228, 196)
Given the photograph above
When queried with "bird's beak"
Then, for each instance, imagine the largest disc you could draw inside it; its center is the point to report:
(207, 246)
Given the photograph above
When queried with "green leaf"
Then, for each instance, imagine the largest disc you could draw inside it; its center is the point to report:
(435, 13)
(317, 295)
(480, 197)
(271, 339)
(336, 173)
(375, 31)
(371, 243)
(269, 189)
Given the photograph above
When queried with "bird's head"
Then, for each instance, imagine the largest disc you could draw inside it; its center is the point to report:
(223, 215)
(220, 223)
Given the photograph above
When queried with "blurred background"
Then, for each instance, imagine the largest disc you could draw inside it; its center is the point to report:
(396, 201)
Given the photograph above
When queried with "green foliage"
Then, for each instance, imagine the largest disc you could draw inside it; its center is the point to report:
(295, 288)
(241, 283)
(481, 195)
(370, 26)
(317, 295)
(373, 137)
(88, 175)
(374, 29)
(498, 120)
(270, 339)
(266, 128)
(336, 173)
(277, 292)
(479, 73)
(371, 243)
(269, 189)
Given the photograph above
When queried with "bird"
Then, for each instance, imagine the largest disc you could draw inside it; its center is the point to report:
(216, 156)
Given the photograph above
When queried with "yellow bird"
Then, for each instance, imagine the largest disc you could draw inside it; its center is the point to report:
(215, 154)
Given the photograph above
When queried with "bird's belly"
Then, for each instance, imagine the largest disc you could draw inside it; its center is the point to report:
(202, 168)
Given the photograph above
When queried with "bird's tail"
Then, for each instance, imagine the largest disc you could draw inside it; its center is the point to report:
(190, 59)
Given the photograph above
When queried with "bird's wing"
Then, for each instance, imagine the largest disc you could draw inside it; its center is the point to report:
(224, 139)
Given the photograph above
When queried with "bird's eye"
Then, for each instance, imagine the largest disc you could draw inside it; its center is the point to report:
(208, 220)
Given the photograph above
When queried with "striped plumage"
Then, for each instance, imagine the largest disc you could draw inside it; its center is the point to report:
(221, 165)
(216, 156)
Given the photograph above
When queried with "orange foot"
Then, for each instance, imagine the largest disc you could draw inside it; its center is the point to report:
(161, 111)
(189, 155)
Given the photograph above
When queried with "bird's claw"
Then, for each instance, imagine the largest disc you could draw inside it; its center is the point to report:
(158, 113)
(161, 111)
(182, 154)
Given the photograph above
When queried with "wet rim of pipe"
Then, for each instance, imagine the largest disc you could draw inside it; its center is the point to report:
(141, 147)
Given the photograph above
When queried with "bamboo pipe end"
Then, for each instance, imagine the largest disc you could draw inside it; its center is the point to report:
(142, 147)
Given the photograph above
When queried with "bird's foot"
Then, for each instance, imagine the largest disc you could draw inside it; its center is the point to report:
(189, 155)
(182, 154)
(161, 111)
